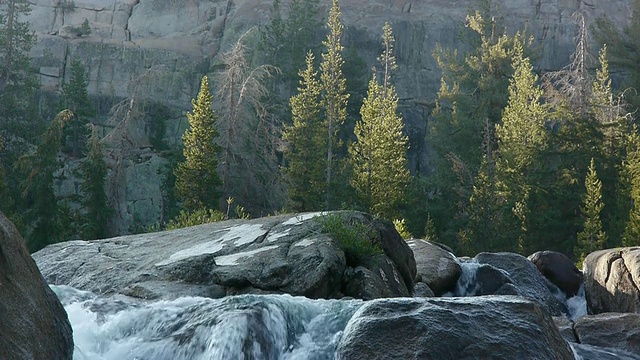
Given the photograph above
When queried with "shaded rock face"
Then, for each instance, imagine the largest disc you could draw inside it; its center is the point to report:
(492, 327)
(33, 323)
(612, 280)
(612, 330)
(436, 267)
(559, 269)
(283, 254)
(526, 279)
(565, 326)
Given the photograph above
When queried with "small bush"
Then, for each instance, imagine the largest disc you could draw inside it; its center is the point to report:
(356, 238)
(197, 217)
(401, 228)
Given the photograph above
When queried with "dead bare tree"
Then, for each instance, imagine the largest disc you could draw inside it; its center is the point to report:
(249, 137)
(127, 135)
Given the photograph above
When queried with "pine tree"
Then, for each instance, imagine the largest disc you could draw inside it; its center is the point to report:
(76, 98)
(629, 191)
(94, 198)
(45, 219)
(591, 238)
(306, 144)
(521, 137)
(333, 90)
(196, 179)
(17, 81)
(625, 51)
(378, 156)
(473, 92)
(488, 211)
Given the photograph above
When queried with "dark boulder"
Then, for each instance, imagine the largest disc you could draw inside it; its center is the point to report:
(526, 279)
(487, 327)
(482, 279)
(33, 323)
(559, 269)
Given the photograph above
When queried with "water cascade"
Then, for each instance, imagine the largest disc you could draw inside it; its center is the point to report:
(235, 327)
(241, 327)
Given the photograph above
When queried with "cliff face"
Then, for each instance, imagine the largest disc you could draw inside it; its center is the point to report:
(185, 37)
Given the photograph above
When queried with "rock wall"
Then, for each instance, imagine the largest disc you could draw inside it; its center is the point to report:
(183, 38)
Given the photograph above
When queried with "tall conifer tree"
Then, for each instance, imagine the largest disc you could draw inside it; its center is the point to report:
(17, 81)
(94, 197)
(591, 238)
(521, 137)
(378, 157)
(333, 90)
(47, 223)
(197, 182)
(306, 140)
(629, 191)
(76, 98)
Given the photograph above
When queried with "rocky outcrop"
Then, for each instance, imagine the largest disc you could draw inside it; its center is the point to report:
(436, 267)
(612, 280)
(613, 330)
(526, 279)
(565, 326)
(492, 327)
(559, 269)
(282, 254)
(33, 323)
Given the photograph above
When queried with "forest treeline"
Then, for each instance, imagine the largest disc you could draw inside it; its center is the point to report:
(291, 120)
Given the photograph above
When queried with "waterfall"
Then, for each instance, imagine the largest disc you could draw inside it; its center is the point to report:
(467, 285)
(235, 327)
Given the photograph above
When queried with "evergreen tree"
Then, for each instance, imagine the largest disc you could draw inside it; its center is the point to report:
(473, 93)
(306, 144)
(76, 98)
(521, 137)
(17, 80)
(196, 179)
(487, 213)
(45, 218)
(625, 51)
(333, 91)
(301, 26)
(629, 191)
(94, 198)
(378, 156)
(591, 238)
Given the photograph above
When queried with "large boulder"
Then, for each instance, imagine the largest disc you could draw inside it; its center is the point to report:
(612, 280)
(282, 254)
(488, 327)
(436, 267)
(526, 279)
(33, 323)
(614, 330)
(482, 279)
(559, 269)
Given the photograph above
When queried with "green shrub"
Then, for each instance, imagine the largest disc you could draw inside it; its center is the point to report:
(356, 238)
(197, 217)
(401, 228)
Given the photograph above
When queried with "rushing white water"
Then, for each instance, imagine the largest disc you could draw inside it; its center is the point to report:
(468, 286)
(235, 327)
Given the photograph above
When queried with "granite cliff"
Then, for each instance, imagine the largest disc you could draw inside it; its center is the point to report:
(186, 38)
